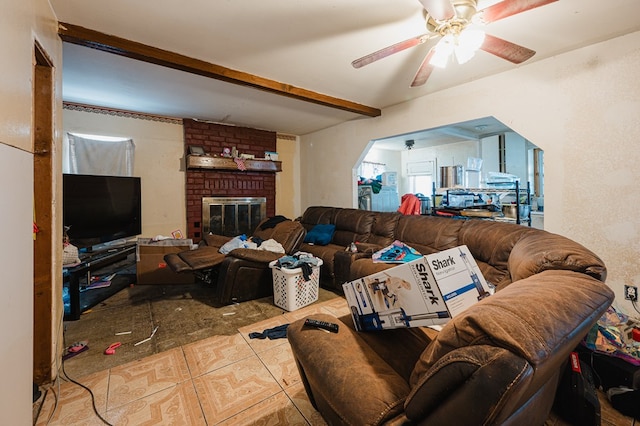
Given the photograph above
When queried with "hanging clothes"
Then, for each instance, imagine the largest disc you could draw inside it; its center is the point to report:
(409, 205)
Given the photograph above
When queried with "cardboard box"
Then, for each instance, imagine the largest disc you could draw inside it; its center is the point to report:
(150, 265)
(427, 291)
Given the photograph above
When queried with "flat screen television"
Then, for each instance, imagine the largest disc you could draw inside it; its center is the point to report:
(101, 209)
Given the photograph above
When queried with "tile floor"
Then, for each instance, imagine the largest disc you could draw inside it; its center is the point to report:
(219, 380)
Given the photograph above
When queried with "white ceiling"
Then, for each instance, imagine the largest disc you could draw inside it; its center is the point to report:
(306, 43)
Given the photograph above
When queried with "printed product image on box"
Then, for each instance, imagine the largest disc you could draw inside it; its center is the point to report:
(425, 292)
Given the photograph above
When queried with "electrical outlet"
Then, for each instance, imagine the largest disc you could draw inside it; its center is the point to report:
(631, 292)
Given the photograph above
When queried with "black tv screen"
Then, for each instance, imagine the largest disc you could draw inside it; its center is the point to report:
(100, 209)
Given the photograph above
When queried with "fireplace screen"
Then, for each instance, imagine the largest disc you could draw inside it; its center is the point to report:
(232, 216)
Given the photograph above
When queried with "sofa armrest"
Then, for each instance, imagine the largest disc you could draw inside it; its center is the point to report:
(542, 251)
(253, 255)
(347, 381)
(479, 378)
(342, 261)
(368, 248)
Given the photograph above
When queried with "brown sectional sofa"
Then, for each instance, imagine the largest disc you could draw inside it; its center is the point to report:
(496, 363)
(505, 252)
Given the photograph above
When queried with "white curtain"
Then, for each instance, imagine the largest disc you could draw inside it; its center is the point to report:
(371, 170)
(99, 157)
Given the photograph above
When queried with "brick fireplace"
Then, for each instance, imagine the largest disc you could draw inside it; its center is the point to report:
(202, 183)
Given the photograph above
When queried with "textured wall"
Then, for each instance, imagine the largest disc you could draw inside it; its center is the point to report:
(580, 107)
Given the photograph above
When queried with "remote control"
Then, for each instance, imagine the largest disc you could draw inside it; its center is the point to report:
(322, 324)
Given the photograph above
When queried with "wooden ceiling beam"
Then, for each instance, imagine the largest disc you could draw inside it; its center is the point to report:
(107, 43)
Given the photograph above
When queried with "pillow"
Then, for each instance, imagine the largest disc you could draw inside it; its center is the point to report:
(320, 234)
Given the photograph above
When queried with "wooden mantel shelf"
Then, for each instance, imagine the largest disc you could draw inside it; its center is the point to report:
(223, 163)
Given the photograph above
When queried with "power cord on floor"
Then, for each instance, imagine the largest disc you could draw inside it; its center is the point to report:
(93, 398)
(57, 380)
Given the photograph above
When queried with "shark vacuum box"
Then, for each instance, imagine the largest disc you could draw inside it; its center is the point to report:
(425, 292)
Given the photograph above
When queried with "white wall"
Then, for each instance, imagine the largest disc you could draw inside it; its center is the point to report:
(288, 180)
(581, 108)
(516, 156)
(22, 24)
(159, 162)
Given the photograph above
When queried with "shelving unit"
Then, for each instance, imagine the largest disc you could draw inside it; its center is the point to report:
(515, 190)
(224, 163)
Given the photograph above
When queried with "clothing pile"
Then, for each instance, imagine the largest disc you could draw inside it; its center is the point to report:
(255, 243)
(302, 260)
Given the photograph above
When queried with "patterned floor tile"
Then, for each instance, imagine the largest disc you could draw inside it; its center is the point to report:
(177, 405)
(300, 399)
(139, 379)
(276, 410)
(337, 307)
(215, 352)
(229, 390)
(74, 406)
(259, 345)
(280, 362)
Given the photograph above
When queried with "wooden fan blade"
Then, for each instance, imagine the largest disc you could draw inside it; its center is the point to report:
(424, 71)
(506, 50)
(389, 50)
(508, 8)
(439, 9)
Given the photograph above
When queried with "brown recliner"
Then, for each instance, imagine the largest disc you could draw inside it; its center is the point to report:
(498, 362)
(242, 274)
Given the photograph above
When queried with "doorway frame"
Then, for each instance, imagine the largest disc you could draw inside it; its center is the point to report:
(44, 214)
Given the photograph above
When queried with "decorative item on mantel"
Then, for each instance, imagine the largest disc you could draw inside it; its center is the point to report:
(270, 155)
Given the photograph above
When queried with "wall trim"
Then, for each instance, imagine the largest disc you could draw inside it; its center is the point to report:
(119, 113)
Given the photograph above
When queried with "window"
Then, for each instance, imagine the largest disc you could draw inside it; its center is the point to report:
(371, 170)
(421, 176)
(98, 155)
(421, 184)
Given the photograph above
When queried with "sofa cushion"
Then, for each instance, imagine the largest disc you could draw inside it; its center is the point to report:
(383, 229)
(342, 362)
(352, 225)
(320, 234)
(428, 234)
(288, 233)
(317, 214)
(532, 318)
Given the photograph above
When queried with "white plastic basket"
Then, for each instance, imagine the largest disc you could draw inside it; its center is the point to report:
(290, 290)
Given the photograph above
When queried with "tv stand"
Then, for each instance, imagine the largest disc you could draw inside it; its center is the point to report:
(101, 262)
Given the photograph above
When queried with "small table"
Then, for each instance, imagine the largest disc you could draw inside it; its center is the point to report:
(73, 276)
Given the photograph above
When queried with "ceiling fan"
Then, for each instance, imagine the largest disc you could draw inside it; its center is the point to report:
(458, 24)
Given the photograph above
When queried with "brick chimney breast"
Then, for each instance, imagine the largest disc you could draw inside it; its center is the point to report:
(201, 183)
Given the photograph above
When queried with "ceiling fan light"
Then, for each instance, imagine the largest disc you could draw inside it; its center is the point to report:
(442, 51)
(468, 43)
(464, 54)
(471, 38)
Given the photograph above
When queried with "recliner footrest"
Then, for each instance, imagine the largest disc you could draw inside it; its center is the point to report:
(192, 260)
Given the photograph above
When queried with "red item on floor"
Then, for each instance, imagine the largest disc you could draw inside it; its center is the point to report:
(111, 350)
(635, 334)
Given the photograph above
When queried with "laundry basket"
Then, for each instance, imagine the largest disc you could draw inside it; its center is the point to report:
(290, 290)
